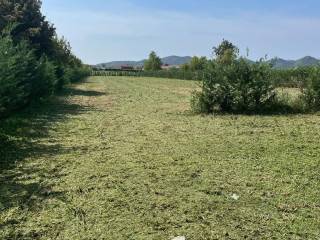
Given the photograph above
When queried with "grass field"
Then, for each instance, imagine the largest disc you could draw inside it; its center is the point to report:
(124, 158)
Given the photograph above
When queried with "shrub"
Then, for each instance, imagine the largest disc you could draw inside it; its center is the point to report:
(62, 78)
(291, 78)
(237, 87)
(18, 70)
(311, 89)
(46, 80)
(24, 78)
(78, 73)
(70, 74)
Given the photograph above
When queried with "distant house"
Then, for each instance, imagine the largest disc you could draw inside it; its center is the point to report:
(168, 67)
(139, 68)
(127, 68)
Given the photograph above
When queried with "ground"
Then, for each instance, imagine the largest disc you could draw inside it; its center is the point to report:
(124, 158)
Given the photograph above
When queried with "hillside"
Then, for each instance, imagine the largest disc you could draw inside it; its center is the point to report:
(170, 60)
(280, 63)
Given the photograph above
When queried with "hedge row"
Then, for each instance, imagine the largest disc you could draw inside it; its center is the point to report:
(292, 78)
(24, 77)
(172, 74)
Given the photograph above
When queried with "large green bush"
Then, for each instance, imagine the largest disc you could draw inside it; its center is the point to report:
(311, 89)
(291, 78)
(34, 62)
(46, 81)
(24, 77)
(236, 87)
(18, 72)
(78, 72)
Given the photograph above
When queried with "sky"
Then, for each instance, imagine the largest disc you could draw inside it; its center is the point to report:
(110, 30)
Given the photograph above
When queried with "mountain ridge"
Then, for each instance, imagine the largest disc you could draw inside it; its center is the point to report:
(170, 60)
(278, 63)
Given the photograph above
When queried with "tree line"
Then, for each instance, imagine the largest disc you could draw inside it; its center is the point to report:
(231, 83)
(197, 67)
(34, 61)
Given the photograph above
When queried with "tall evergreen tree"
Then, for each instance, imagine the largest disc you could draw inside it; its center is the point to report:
(28, 24)
(34, 62)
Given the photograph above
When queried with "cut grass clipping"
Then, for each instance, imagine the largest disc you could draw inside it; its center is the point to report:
(124, 158)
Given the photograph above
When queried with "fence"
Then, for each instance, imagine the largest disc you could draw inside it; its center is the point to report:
(172, 74)
(280, 78)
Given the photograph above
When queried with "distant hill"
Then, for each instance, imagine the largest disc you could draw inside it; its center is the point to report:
(279, 63)
(175, 60)
(118, 64)
(171, 60)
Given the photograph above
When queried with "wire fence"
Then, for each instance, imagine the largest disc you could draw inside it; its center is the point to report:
(174, 74)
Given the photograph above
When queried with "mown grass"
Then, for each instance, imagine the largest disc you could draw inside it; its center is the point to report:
(124, 158)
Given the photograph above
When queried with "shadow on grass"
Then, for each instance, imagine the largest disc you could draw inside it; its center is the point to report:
(25, 185)
(274, 111)
(80, 92)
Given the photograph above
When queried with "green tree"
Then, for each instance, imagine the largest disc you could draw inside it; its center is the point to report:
(67, 64)
(185, 67)
(18, 72)
(34, 62)
(153, 63)
(30, 24)
(226, 52)
(198, 64)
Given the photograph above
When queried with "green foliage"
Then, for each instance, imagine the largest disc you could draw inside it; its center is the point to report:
(197, 64)
(46, 80)
(31, 24)
(185, 67)
(236, 87)
(294, 77)
(307, 61)
(170, 73)
(74, 74)
(34, 62)
(153, 63)
(18, 71)
(3, 138)
(226, 52)
(311, 89)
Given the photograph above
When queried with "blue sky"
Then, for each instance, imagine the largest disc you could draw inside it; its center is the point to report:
(107, 30)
